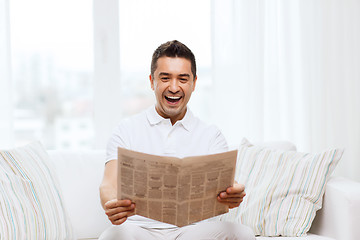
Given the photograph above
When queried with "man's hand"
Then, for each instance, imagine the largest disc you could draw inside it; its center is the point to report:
(118, 210)
(233, 196)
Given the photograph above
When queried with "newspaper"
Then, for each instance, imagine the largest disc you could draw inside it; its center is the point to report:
(173, 190)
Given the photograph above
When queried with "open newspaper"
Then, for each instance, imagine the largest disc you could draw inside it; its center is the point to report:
(174, 190)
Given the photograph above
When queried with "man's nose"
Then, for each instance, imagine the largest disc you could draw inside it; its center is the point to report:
(174, 86)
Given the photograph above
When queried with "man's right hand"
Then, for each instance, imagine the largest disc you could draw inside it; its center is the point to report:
(118, 210)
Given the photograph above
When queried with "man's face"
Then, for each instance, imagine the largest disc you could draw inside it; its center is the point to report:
(173, 84)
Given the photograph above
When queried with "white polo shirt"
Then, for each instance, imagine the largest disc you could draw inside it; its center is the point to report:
(150, 133)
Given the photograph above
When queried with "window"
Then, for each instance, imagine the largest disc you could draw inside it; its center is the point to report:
(52, 65)
(52, 54)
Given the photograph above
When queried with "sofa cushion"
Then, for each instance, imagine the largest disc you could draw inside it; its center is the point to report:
(31, 205)
(284, 188)
(308, 237)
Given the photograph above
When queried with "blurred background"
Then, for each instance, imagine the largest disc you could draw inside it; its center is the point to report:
(267, 70)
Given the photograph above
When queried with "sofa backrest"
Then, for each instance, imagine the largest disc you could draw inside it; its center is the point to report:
(80, 174)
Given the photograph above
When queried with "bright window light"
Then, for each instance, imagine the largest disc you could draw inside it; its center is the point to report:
(52, 61)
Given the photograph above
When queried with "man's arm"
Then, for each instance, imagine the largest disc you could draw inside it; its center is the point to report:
(116, 210)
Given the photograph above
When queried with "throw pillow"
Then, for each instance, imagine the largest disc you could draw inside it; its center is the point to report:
(284, 189)
(31, 205)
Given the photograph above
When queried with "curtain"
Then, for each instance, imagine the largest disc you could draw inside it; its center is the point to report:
(6, 136)
(289, 70)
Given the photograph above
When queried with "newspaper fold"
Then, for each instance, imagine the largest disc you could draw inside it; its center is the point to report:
(173, 190)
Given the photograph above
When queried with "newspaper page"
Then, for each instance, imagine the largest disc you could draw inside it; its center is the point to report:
(173, 190)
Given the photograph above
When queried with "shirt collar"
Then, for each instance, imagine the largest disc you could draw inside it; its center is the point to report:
(152, 116)
(188, 122)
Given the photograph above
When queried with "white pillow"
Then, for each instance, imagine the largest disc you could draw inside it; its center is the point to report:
(31, 206)
(284, 189)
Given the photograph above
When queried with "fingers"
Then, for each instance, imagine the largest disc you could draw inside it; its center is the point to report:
(237, 188)
(117, 203)
(225, 195)
(231, 202)
(233, 196)
(119, 221)
(118, 210)
(119, 218)
(114, 211)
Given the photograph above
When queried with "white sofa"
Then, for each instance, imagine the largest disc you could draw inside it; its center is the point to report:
(80, 174)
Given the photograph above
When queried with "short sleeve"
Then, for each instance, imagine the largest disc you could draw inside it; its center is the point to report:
(218, 143)
(119, 138)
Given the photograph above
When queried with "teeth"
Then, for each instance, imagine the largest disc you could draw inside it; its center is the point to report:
(174, 98)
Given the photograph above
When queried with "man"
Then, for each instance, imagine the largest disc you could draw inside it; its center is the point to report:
(168, 128)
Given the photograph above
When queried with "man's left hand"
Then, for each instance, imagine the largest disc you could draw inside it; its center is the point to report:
(233, 196)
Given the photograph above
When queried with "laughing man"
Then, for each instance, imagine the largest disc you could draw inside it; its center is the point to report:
(169, 129)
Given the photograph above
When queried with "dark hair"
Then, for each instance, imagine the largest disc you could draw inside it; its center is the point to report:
(173, 49)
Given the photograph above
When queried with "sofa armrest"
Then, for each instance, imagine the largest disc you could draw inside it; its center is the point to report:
(340, 214)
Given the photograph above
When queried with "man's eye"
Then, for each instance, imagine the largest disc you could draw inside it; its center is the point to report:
(183, 79)
(164, 78)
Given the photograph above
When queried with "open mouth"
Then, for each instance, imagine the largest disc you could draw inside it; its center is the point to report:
(172, 99)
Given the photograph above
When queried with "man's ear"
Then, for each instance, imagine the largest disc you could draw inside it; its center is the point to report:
(151, 82)
(194, 84)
